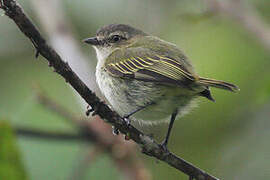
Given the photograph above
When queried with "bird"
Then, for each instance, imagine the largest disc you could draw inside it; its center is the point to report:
(145, 78)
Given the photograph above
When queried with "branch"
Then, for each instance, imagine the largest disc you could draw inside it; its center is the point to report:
(34, 133)
(52, 18)
(149, 146)
(244, 15)
(122, 152)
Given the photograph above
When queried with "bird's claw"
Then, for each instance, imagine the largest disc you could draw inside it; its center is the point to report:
(89, 110)
(164, 147)
(115, 130)
(127, 120)
(37, 53)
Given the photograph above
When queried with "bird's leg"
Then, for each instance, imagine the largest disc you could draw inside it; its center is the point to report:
(165, 142)
(133, 112)
(36, 47)
(126, 117)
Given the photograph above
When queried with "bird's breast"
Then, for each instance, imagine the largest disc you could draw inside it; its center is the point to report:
(128, 95)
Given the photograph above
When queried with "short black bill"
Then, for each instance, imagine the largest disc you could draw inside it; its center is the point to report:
(93, 41)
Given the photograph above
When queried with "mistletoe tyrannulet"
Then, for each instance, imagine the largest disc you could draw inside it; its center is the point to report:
(145, 78)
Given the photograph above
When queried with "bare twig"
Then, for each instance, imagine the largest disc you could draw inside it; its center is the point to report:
(123, 153)
(149, 146)
(41, 134)
(244, 15)
(55, 107)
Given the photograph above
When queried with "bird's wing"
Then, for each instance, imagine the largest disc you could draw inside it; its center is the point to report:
(146, 65)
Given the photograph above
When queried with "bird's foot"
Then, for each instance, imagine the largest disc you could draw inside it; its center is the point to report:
(115, 130)
(127, 120)
(164, 146)
(88, 110)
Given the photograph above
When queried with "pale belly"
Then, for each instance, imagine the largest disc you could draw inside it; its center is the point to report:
(126, 96)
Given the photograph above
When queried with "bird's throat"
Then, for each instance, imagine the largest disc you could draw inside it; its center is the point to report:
(102, 53)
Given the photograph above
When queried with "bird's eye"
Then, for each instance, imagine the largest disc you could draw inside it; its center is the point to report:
(115, 38)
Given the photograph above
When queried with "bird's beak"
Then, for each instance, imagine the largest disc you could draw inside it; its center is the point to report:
(93, 41)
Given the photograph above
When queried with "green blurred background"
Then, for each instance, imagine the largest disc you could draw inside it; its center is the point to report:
(229, 138)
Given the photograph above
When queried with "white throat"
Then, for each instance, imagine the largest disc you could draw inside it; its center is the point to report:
(102, 54)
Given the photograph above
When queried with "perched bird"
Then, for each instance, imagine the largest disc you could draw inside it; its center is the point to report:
(146, 78)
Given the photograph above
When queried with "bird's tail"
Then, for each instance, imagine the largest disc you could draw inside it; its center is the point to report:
(218, 84)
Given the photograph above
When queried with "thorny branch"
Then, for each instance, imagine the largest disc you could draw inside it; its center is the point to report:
(149, 146)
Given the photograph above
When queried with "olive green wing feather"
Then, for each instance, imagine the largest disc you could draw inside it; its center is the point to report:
(146, 65)
(159, 66)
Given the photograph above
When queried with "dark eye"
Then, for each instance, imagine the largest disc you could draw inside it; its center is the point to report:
(115, 38)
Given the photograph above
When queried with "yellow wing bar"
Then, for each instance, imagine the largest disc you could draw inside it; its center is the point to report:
(161, 65)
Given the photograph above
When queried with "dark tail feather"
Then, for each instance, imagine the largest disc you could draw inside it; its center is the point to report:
(218, 84)
(206, 93)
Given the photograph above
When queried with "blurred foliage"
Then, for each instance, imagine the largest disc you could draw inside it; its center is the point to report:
(228, 139)
(11, 167)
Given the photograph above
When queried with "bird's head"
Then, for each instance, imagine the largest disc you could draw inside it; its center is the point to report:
(113, 36)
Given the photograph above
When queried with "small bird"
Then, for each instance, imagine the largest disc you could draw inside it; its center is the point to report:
(145, 78)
